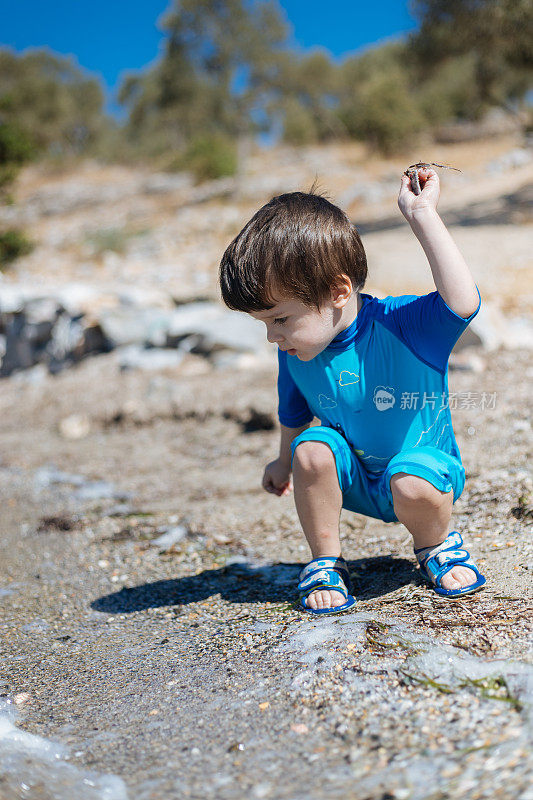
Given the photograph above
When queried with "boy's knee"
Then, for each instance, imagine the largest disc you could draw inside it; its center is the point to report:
(313, 457)
(407, 488)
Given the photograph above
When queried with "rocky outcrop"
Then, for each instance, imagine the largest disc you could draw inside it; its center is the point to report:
(45, 330)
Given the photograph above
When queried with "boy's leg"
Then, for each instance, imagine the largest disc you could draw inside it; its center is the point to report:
(426, 512)
(318, 499)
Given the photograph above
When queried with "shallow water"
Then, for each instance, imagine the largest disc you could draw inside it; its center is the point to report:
(318, 645)
(35, 768)
(442, 663)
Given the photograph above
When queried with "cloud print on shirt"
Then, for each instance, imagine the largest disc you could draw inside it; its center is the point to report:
(347, 378)
(326, 402)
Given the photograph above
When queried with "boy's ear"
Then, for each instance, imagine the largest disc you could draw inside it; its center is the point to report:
(341, 291)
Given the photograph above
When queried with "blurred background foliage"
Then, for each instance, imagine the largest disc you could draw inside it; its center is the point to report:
(227, 73)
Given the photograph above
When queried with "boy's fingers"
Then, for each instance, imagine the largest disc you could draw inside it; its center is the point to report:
(405, 188)
(428, 175)
(277, 490)
(268, 486)
(267, 483)
(406, 183)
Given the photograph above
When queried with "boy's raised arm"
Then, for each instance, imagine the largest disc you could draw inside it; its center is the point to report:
(450, 272)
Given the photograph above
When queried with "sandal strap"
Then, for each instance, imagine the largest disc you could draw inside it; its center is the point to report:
(324, 573)
(453, 541)
(436, 562)
(336, 563)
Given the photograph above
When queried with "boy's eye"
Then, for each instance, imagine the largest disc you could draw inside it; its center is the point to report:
(280, 320)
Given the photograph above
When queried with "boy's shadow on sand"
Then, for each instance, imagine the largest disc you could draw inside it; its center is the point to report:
(245, 583)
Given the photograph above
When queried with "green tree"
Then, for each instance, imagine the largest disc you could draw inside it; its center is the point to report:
(449, 92)
(47, 106)
(377, 102)
(305, 94)
(16, 149)
(212, 77)
(50, 100)
(496, 34)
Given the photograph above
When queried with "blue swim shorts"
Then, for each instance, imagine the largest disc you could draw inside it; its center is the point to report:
(370, 494)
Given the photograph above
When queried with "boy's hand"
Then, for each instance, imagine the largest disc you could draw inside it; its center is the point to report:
(411, 204)
(277, 478)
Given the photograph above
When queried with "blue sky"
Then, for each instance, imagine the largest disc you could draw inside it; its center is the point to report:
(111, 37)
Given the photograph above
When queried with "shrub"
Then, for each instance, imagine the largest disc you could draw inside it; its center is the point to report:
(107, 240)
(209, 157)
(15, 149)
(386, 114)
(13, 244)
(299, 126)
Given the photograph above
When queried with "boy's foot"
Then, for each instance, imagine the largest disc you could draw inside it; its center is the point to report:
(449, 567)
(325, 599)
(458, 578)
(324, 586)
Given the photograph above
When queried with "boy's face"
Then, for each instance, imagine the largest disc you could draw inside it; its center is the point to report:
(299, 330)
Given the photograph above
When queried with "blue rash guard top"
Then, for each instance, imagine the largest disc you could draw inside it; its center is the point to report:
(382, 382)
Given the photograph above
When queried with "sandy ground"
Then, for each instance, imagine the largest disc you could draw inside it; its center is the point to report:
(161, 667)
(188, 672)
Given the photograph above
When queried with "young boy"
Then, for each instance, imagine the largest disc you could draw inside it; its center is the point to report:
(373, 371)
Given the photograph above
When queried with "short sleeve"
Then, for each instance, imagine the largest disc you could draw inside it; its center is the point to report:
(427, 325)
(293, 410)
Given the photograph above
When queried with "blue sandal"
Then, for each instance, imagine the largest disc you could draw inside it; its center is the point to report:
(435, 562)
(325, 573)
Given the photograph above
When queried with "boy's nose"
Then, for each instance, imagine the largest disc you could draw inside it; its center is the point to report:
(273, 337)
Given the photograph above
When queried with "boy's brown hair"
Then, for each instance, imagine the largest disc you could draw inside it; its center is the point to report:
(296, 246)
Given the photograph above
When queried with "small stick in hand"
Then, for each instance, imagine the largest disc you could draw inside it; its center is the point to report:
(412, 173)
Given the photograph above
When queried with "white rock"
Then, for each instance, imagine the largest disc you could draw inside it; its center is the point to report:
(171, 537)
(514, 159)
(153, 358)
(12, 298)
(491, 329)
(32, 376)
(218, 328)
(519, 333)
(100, 490)
(134, 325)
(77, 298)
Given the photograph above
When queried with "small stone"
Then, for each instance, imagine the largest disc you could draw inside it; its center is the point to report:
(299, 728)
(75, 426)
(261, 789)
(235, 746)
